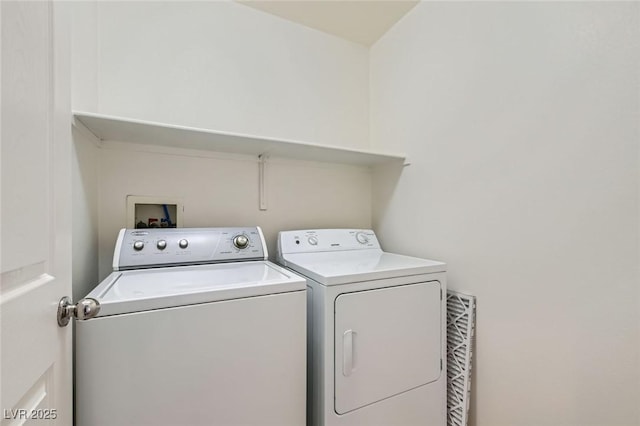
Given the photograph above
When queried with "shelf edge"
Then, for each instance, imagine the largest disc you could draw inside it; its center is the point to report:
(117, 128)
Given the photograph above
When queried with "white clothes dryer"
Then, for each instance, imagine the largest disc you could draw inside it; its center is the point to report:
(195, 327)
(376, 330)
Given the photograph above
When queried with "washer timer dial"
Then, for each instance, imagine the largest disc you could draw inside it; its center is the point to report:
(241, 241)
(362, 238)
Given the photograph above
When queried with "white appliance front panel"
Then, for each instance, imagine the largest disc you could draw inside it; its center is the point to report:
(387, 341)
(335, 268)
(235, 362)
(321, 240)
(146, 289)
(154, 247)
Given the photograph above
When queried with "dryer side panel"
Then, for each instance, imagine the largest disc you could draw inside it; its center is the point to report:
(387, 341)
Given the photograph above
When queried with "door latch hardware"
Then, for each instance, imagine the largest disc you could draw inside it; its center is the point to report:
(85, 309)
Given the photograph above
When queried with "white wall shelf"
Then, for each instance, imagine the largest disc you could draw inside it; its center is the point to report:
(110, 128)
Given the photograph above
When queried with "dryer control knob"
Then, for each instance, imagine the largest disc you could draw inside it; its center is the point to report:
(362, 238)
(183, 244)
(313, 241)
(240, 241)
(138, 245)
(162, 244)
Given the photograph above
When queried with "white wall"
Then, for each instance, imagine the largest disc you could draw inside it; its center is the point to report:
(84, 215)
(224, 66)
(521, 124)
(85, 55)
(219, 190)
(85, 160)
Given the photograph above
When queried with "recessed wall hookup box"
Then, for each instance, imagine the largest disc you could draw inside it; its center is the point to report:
(154, 212)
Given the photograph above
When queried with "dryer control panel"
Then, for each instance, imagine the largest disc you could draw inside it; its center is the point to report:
(317, 240)
(158, 247)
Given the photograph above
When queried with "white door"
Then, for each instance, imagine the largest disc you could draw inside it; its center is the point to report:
(35, 254)
(387, 342)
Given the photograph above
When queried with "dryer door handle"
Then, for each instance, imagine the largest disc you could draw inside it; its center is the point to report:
(348, 352)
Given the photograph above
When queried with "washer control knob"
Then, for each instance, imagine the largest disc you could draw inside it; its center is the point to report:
(240, 241)
(183, 244)
(362, 238)
(162, 244)
(313, 240)
(138, 245)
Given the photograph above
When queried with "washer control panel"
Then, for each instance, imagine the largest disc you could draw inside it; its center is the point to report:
(315, 240)
(156, 247)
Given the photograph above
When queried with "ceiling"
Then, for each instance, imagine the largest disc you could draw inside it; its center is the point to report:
(360, 21)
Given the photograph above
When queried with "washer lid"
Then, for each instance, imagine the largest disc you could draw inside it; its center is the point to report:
(142, 290)
(342, 267)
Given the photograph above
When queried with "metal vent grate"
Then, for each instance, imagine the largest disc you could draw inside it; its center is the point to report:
(461, 312)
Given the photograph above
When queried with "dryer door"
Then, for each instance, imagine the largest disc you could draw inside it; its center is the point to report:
(387, 341)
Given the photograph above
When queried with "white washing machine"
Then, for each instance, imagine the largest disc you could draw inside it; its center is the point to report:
(195, 327)
(376, 330)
